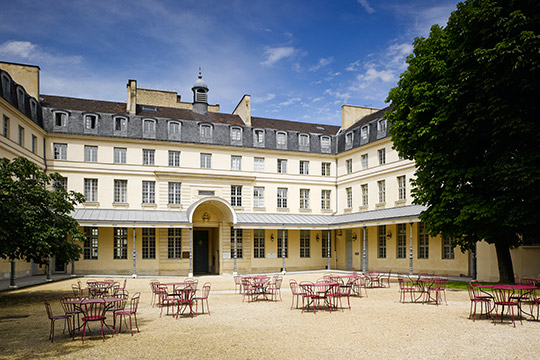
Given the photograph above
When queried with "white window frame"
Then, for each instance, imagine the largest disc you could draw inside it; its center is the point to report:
(63, 118)
(236, 195)
(365, 194)
(236, 135)
(174, 130)
(59, 151)
(206, 161)
(258, 164)
(304, 167)
(325, 199)
(119, 155)
(381, 154)
(348, 166)
(148, 192)
(281, 166)
(349, 140)
(149, 157)
(281, 140)
(365, 161)
(120, 191)
(381, 185)
(282, 198)
(325, 168)
(304, 199)
(174, 193)
(348, 192)
(303, 142)
(236, 163)
(364, 133)
(205, 131)
(258, 137)
(90, 153)
(91, 190)
(258, 197)
(402, 187)
(123, 124)
(90, 121)
(326, 144)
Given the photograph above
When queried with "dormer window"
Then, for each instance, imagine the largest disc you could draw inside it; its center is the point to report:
(6, 85)
(90, 122)
(174, 130)
(149, 128)
(381, 128)
(33, 108)
(349, 137)
(236, 136)
(120, 126)
(364, 134)
(326, 143)
(60, 119)
(258, 138)
(281, 140)
(303, 142)
(206, 133)
(20, 98)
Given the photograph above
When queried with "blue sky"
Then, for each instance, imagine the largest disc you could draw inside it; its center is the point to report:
(298, 59)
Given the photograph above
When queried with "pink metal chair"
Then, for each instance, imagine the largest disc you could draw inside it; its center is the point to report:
(503, 298)
(93, 310)
(130, 311)
(202, 298)
(185, 300)
(72, 310)
(358, 284)
(309, 295)
(407, 286)
(477, 298)
(275, 288)
(295, 292)
(248, 289)
(53, 318)
(238, 283)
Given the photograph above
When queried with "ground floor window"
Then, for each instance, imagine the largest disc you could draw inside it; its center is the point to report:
(282, 243)
(402, 241)
(239, 247)
(447, 248)
(120, 243)
(91, 243)
(175, 243)
(381, 244)
(423, 242)
(258, 243)
(304, 244)
(148, 243)
(326, 244)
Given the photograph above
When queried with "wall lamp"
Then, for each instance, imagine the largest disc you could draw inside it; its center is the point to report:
(354, 237)
(317, 238)
(389, 235)
(272, 237)
(339, 232)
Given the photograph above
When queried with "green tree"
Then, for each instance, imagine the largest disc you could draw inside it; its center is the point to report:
(35, 219)
(466, 110)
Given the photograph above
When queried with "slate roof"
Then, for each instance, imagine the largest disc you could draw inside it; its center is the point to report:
(302, 127)
(187, 114)
(369, 118)
(70, 103)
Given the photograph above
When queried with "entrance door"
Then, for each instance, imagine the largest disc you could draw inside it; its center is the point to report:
(348, 249)
(59, 267)
(200, 251)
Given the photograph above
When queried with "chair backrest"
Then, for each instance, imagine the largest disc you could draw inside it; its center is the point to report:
(93, 307)
(307, 287)
(294, 287)
(48, 308)
(67, 305)
(279, 280)
(124, 285)
(134, 302)
(76, 289)
(205, 290)
(237, 280)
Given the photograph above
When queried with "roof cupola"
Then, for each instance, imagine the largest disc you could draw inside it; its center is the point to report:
(200, 95)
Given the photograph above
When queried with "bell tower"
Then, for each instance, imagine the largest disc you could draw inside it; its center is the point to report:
(200, 95)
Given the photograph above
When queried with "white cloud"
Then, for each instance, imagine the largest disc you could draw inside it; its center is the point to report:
(290, 101)
(341, 97)
(25, 51)
(322, 63)
(366, 6)
(354, 66)
(274, 55)
(267, 97)
(317, 99)
(372, 74)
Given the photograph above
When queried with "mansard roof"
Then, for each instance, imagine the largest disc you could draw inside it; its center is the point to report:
(287, 125)
(369, 118)
(70, 103)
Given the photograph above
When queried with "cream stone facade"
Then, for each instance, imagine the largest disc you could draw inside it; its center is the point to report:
(174, 188)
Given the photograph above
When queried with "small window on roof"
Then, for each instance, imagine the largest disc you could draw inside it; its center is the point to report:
(258, 138)
(174, 130)
(60, 119)
(281, 140)
(381, 128)
(149, 108)
(120, 126)
(90, 122)
(236, 135)
(303, 142)
(149, 128)
(205, 132)
(364, 134)
(326, 143)
(349, 137)
(20, 98)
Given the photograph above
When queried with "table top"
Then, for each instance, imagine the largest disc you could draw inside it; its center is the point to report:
(91, 300)
(507, 287)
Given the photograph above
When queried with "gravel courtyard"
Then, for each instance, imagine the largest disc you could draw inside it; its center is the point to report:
(377, 327)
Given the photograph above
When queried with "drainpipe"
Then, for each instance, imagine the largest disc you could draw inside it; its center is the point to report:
(134, 256)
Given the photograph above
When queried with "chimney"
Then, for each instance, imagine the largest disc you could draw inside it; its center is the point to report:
(131, 107)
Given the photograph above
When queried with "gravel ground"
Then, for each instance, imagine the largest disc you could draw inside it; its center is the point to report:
(376, 327)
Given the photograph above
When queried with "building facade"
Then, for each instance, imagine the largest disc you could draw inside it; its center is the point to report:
(179, 188)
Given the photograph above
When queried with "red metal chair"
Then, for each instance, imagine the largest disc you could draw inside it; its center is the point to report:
(503, 298)
(439, 288)
(358, 284)
(386, 279)
(119, 305)
(407, 286)
(295, 292)
(131, 310)
(477, 298)
(185, 300)
(53, 318)
(248, 289)
(274, 288)
(202, 299)
(72, 310)
(93, 310)
(154, 286)
(309, 294)
(238, 283)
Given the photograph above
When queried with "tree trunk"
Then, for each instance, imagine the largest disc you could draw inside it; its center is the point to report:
(506, 269)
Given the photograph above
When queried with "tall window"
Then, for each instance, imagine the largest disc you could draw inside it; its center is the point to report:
(21, 136)
(90, 153)
(258, 138)
(120, 155)
(149, 128)
(90, 243)
(447, 248)
(90, 190)
(381, 243)
(402, 190)
(304, 167)
(304, 198)
(90, 122)
(174, 249)
(349, 140)
(282, 243)
(303, 142)
(258, 197)
(236, 135)
(258, 164)
(326, 143)
(206, 133)
(60, 119)
(62, 182)
(304, 243)
(206, 161)
(348, 166)
(258, 244)
(365, 164)
(381, 127)
(326, 243)
(148, 156)
(281, 166)
(148, 243)
(60, 151)
(364, 133)
(236, 195)
(120, 191)
(5, 126)
(174, 158)
(325, 199)
(148, 192)
(402, 241)
(239, 247)
(120, 243)
(174, 130)
(325, 169)
(349, 197)
(382, 156)
(423, 242)
(281, 140)
(382, 191)
(175, 193)
(120, 125)
(236, 163)
(282, 198)
(34, 144)
(365, 197)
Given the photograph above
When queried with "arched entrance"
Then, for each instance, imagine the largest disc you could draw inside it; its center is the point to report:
(210, 218)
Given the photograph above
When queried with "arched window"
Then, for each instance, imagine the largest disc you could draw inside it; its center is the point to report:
(281, 140)
(303, 142)
(349, 137)
(60, 119)
(149, 128)
(20, 98)
(174, 130)
(326, 144)
(6, 86)
(206, 132)
(236, 135)
(90, 123)
(258, 138)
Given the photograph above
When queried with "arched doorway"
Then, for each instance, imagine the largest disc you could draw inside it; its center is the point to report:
(210, 218)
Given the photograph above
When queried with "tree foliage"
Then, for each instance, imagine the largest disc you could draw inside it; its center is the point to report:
(35, 219)
(467, 111)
